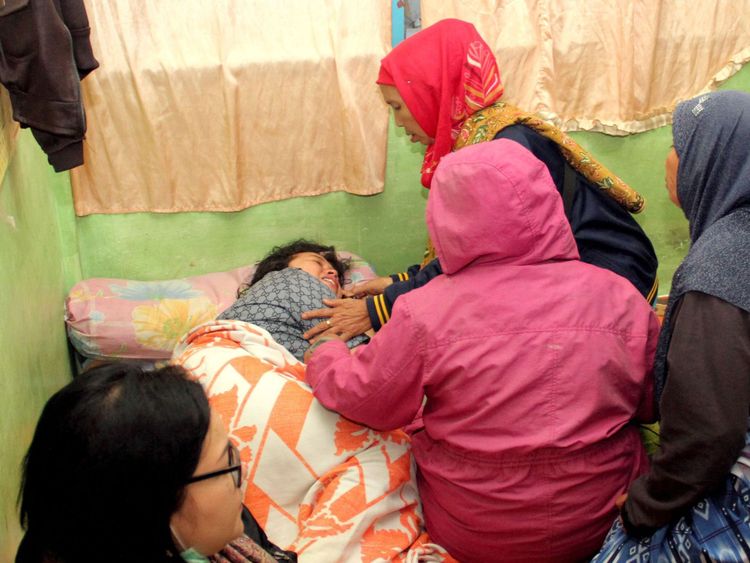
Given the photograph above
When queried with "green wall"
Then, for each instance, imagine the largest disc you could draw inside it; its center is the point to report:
(387, 229)
(639, 160)
(34, 360)
(45, 249)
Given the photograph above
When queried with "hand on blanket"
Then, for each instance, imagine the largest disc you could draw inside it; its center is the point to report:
(344, 318)
(374, 286)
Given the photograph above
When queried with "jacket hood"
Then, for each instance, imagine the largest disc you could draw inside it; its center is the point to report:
(711, 136)
(496, 202)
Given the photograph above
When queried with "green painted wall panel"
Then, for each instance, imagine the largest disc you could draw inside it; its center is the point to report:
(34, 360)
(387, 229)
(639, 160)
(45, 249)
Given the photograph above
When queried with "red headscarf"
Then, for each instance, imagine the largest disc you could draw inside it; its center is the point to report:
(444, 73)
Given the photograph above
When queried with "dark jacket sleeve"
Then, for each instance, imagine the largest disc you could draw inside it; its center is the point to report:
(410, 272)
(379, 306)
(44, 52)
(704, 412)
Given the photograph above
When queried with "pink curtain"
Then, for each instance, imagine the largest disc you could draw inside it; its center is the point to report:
(602, 65)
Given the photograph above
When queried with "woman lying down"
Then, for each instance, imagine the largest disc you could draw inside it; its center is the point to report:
(319, 485)
(290, 280)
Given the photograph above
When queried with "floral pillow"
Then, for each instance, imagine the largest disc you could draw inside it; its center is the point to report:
(111, 318)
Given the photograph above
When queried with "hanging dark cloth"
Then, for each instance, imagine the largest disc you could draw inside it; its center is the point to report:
(44, 53)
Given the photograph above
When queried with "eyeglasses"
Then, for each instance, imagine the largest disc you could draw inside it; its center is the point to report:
(235, 468)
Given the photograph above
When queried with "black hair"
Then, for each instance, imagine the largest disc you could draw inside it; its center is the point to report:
(108, 465)
(280, 256)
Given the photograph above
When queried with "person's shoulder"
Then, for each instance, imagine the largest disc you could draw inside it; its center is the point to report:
(539, 145)
(281, 281)
(278, 287)
(613, 297)
(305, 283)
(421, 303)
(518, 133)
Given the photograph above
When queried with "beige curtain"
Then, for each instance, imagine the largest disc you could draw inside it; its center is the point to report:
(616, 66)
(223, 104)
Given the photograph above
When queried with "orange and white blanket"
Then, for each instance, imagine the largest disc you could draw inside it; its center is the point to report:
(319, 484)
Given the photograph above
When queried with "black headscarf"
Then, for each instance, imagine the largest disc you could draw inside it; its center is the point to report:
(712, 139)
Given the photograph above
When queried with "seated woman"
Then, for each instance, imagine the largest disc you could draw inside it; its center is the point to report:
(694, 503)
(533, 363)
(291, 279)
(133, 466)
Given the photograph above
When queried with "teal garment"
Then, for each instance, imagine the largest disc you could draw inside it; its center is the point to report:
(192, 556)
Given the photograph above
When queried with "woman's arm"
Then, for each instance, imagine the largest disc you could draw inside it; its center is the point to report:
(379, 385)
(350, 317)
(704, 412)
(379, 307)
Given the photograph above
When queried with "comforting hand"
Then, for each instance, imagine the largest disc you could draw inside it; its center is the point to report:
(374, 286)
(344, 318)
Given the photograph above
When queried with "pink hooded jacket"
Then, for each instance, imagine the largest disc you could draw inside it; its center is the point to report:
(533, 365)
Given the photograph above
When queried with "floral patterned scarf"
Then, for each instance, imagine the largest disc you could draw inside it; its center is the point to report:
(484, 124)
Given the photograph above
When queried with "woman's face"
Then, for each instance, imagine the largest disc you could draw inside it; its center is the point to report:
(403, 116)
(671, 176)
(211, 514)
(318, 267)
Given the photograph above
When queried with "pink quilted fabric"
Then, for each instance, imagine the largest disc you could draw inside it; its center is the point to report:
(112, 319)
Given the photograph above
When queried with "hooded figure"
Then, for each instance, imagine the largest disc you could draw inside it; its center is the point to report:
(531, 365)
(697, 493)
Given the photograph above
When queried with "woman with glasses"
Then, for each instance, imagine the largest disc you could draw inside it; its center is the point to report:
(127, 465)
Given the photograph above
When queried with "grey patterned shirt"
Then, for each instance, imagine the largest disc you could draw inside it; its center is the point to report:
(276, 303)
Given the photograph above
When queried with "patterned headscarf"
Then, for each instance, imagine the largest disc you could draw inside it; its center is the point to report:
(444, 74)
(711, 136)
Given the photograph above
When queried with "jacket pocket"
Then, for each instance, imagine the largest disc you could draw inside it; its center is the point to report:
(18, 45)
(14, 71)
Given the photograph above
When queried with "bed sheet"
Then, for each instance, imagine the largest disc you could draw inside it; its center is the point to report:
(319, 484)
